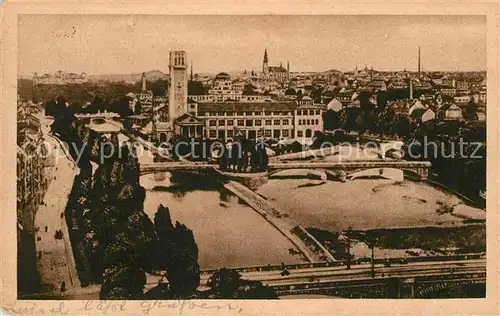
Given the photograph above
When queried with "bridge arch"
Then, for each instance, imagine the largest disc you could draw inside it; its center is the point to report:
(273, 173)
(391, 173)
(384, 173)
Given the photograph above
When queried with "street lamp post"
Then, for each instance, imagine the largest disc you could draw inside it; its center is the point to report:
(373, 260)
(372, 242)
(349, 247)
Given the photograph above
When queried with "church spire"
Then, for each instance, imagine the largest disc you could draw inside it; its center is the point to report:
(265, 65)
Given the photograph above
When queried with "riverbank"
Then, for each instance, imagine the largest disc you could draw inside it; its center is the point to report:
(405, 242)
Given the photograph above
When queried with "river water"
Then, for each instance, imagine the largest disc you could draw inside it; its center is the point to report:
(227, 232)
(231, 234)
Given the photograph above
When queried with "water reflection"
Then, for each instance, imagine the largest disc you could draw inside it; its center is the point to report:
(228, 232)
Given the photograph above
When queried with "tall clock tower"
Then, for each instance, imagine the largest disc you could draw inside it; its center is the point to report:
(177, 92)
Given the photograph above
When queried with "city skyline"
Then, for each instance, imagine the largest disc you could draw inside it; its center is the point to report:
(219, 43)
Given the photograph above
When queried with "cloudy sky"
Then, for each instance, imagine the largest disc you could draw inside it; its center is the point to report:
(104, 44)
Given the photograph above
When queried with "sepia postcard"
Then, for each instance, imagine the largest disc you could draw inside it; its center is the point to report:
(249, 159)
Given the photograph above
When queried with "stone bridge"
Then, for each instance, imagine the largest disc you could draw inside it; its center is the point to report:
(175, 166)
(414, 168)
(417, 169)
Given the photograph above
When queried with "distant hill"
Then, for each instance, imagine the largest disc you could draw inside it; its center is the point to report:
(152, 75)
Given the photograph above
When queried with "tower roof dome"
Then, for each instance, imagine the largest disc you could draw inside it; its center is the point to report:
(222, 76)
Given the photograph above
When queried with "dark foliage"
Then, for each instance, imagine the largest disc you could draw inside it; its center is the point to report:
(228, 284)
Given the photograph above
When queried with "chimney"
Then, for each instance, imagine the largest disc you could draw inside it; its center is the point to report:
(143, 82)
(411, 89)
(419, 62)
(191, 70)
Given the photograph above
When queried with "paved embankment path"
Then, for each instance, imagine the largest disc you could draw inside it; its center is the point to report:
(56, 263)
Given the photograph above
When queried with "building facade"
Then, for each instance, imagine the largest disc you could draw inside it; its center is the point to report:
(31, 161)
(254, 120)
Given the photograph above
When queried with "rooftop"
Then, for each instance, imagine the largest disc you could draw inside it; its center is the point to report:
(246, 106)
(223, 76)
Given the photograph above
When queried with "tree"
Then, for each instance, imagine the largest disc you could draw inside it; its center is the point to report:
(224, 283)
(121, 106)
(402, 126)
(471, 111)
(228, 284)
(138, 108)
(447, 98)
(316, 94)
(250, 290)
(384, 121)
(50, 107)
(122, 280)
(248, 90)
(178, 254)
(290, 91)
(183, 272)
(382, 98)
(76, 107)
(196, 88)
(159, 87)
(364, 101)
(96, 105)
(331, 120)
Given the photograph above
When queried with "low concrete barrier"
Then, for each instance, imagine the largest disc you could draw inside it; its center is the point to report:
(260, 205)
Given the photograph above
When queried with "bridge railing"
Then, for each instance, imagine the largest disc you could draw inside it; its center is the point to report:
(351, 164)
(340, 263)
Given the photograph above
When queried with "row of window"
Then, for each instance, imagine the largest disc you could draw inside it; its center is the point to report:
(242, 122)
(309, 122)
(266, 113)
(179, 60)
(214, 97)
(222, 134)
(224, 91)
(309, 112)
